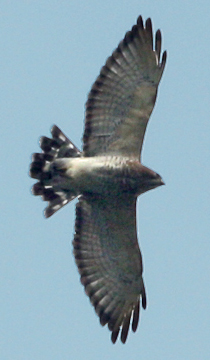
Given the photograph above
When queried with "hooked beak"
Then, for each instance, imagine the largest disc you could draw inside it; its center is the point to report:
(162, 182)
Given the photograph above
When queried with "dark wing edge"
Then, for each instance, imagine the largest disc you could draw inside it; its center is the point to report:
(132, 64)
(106, 285)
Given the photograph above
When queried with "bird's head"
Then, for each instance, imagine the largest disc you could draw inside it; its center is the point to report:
(148, 179)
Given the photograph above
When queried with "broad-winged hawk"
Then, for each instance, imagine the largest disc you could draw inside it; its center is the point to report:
(107, 177)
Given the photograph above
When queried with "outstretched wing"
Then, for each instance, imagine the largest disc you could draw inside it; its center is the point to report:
(109, 260)
(123, 96)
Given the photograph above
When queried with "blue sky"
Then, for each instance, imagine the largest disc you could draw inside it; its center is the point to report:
(51, 53)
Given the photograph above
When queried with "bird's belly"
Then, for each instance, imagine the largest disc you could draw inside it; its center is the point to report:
(110, 175)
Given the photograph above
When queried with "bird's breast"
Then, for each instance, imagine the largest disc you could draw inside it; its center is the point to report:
(111, 175)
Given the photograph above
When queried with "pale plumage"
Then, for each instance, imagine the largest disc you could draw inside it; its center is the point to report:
(108, 177)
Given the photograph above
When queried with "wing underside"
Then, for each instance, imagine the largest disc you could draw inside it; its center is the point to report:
(123, 96)
(109, 261)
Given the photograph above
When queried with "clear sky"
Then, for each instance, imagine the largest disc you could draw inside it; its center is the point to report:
(51, 53)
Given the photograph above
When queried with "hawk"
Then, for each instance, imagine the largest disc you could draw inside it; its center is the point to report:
(107, 177)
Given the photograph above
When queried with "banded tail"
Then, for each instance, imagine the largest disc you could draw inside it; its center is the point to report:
(51, 181)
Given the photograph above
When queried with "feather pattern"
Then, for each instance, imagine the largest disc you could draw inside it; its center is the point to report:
(123, 96)
(49, 185)
(109, 260)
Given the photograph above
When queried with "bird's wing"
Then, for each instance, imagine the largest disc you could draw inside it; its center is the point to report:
(123, 96)
(109, 260)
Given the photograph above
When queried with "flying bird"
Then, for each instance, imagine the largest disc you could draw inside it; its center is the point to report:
(107, 177)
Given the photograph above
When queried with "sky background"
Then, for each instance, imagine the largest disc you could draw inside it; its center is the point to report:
(50, 54)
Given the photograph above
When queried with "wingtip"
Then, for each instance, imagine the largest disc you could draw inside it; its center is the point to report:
(114, 335)
(164, 57)
(140, 21)
(148, 24)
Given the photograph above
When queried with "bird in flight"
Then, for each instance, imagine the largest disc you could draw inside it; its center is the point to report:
(107, 177)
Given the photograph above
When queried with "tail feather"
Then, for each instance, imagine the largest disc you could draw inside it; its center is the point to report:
(50, 179)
